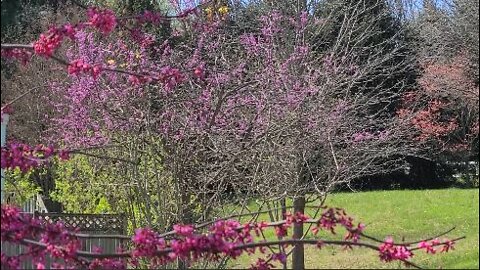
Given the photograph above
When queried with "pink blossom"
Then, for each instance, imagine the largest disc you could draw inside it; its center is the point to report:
(80, 66)
(251, 43)
(354, 233)
(280, 257)
(428, 246)
(199, 72)
(183, 230)
(25, 158)
(362, 136)
(48, 42)
(261, 264)
(170, 77)
(104, 20)
(281, 231)
(19, 54)
(143, 39)
(147, 242)
(449, 245)
(70, 31)
(148, 16)
(391, 252)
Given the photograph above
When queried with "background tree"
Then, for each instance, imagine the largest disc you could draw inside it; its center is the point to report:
(447, 46)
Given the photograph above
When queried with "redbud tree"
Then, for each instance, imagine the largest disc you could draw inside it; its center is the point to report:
(258, 112)
(448, 120)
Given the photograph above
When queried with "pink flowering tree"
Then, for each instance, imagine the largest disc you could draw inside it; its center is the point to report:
(448, 119)
(259, 113)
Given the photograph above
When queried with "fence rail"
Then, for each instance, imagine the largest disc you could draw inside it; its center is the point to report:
(103, 223)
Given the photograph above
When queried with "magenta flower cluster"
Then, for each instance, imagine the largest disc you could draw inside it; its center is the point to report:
(80, 66)
(26, 158)
(391, 252)
(170, 77)
(430, 246)
(21, 55)
(52, 239)
(48, 42)
(102, 19)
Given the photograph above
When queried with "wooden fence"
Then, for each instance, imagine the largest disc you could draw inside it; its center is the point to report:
(87, 224)
(31, 205)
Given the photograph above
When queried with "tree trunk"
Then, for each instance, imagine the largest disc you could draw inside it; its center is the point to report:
(283, 203)
(298, 256)
(186, 217)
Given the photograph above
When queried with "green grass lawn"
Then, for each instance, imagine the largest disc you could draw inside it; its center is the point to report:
(408, 214)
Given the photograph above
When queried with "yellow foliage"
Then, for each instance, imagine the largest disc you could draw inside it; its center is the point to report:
(223, 10)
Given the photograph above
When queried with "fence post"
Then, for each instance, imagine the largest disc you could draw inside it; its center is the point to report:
(5, 118)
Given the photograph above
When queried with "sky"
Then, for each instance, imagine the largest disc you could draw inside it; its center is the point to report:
(413, 6)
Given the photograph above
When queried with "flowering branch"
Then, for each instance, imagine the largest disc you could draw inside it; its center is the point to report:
(224, 238)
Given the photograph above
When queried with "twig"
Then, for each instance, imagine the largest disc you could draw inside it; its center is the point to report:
(77, 3)
(19, 97)
(408, 243)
